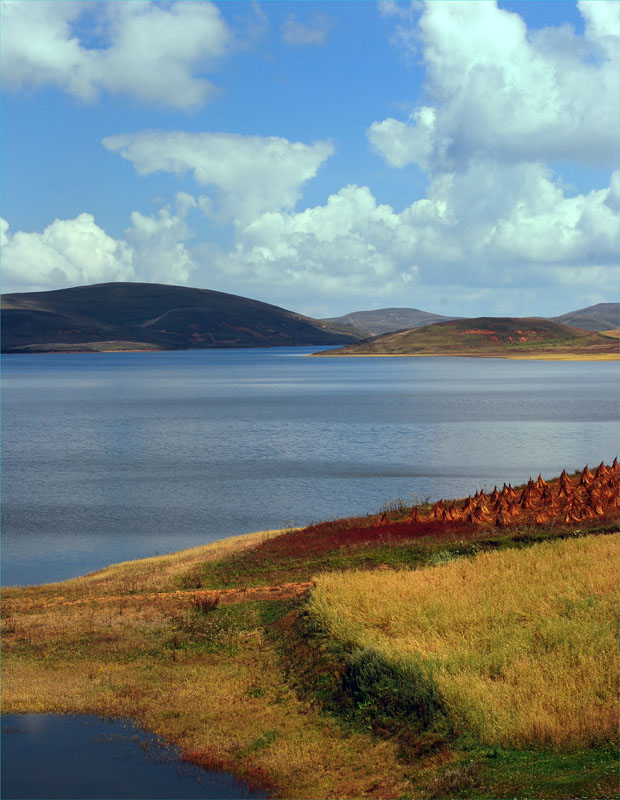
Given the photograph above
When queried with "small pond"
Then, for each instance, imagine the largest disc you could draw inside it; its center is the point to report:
(85, 757)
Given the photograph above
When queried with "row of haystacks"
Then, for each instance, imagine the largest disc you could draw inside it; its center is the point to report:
(587, 499)
(585, 496)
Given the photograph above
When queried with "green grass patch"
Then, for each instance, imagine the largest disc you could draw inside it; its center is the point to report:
(501, 773)
(255, 569)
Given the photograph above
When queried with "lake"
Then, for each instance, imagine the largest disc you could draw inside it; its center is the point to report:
(115, 456)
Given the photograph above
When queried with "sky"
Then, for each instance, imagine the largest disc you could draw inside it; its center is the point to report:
(459, 157)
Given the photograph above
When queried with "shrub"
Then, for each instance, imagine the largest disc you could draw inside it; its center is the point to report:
(387, 693)
(205, 603)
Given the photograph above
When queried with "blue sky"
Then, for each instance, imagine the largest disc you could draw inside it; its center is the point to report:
(460, 157)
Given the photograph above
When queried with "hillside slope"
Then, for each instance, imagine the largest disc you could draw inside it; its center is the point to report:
(490, 337)
(601, 317)
(145, 316)
(387, 320)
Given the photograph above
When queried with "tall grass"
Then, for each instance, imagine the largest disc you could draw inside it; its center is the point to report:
(522, 645)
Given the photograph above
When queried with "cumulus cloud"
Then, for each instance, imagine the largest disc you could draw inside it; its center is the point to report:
(492, 236)
(69, 252)
(73, 252)
(495, 230)
(295, 33)
(249, 174)
(345, 246)
(150, 51)
(403, 143)
(158, 242)
(504, 92)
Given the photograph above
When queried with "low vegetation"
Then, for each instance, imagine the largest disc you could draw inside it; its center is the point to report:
(518, 648)
(488, 337)
(446, 650)
(152, 316)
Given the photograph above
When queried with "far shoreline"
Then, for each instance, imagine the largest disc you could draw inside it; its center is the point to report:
(541, 357)
(331, 354)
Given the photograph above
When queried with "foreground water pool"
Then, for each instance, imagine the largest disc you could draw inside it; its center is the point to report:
(79, 757)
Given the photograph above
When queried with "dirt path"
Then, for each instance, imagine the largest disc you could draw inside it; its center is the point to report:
(226, 596)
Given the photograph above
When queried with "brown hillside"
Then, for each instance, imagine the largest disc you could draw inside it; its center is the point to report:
(488, 337)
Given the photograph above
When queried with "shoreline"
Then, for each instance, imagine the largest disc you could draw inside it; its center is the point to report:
(333, 353)
(541, 357)
(159, 563)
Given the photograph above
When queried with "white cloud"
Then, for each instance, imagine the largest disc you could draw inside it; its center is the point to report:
(405, 143)
(613, 195)
(69, 252)
(295, 33)
(495, 90)
(497, 237)
(602, 24)
(74, 252)
(495, 229)
(160, 254)
(149, 51)
(345, 246)
(250, 174)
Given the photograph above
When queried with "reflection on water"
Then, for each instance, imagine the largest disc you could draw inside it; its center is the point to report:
(79, 757)
(109, 457)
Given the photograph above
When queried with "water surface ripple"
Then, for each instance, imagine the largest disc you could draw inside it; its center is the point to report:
(115, 456)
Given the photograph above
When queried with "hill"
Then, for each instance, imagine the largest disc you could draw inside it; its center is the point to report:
(488, 337)
(601, 317)
(387, 320)
(147, 316)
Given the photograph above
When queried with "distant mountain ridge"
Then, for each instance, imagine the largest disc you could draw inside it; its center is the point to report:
(386, 320)
(600, 317)
(147, 316)
(488, 337)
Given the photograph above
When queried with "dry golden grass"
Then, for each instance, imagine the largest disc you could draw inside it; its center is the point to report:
(230, 713)
(155, 574)
(112, 644)
(522, 644)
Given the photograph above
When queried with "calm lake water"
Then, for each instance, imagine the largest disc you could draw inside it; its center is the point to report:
(108, 457)
(50, 756)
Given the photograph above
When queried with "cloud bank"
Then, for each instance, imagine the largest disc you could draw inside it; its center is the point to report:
(476, 231)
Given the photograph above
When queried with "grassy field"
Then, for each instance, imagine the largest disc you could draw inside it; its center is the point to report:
(221, 650)
(521, 646)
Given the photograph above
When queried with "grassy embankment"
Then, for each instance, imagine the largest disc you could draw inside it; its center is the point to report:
(409, 679)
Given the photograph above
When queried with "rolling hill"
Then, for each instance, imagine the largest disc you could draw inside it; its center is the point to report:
(488, 337)
(387, 320)
(146, 316)
(601, 317)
